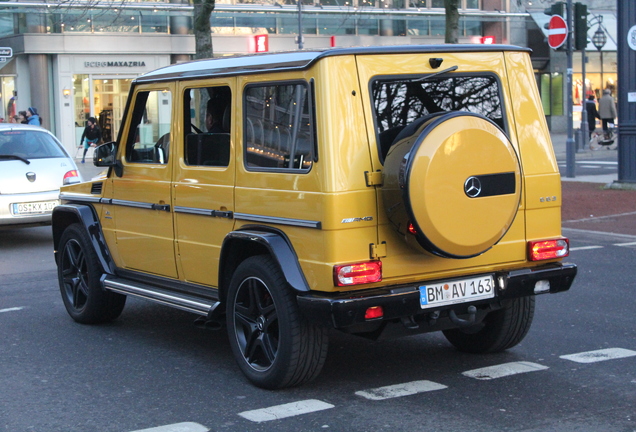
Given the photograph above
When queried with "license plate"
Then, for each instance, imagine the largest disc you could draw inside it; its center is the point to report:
(457, 291)
(34, 207)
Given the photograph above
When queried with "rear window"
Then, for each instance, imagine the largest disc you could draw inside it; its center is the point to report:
(29, 144)
(399, 101)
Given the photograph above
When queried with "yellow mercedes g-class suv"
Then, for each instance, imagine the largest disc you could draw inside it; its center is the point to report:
(378, 191)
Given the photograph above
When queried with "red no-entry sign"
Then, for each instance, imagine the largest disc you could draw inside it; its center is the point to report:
(557, 31)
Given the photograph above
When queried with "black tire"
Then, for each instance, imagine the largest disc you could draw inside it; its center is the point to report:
(274, 346)
(79, 274)
(502, 329)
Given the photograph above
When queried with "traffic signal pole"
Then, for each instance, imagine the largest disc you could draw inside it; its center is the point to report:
(570, 146)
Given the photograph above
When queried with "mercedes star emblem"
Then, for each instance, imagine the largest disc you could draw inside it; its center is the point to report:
(472, 187)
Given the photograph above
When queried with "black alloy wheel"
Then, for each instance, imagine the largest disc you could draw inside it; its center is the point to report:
(79, 273)
(273, 344)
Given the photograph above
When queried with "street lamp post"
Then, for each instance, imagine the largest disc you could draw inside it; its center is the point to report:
(300, 24)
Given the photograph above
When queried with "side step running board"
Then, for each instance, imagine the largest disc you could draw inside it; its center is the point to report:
(197, 305)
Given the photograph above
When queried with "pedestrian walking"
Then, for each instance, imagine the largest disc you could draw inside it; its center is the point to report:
(607, 110)
(32, 117)
(91, 136)
(592, 114)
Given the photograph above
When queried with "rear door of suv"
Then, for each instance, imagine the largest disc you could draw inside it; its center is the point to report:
(408, 81)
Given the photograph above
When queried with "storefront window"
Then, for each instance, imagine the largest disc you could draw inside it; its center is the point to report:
(100, 97)
(418, 27)
(6, 24)
(154, 23)
(556, 95)
(368, 26)
(8, 99)
(81, 100)
(544, 88)
(109, 96)
(472, 28)
(337, 26)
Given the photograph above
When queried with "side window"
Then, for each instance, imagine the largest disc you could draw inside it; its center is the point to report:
(278, 127)
(149, 137)
(207, 126)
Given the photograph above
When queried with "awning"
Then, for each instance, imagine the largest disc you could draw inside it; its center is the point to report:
(608, 26)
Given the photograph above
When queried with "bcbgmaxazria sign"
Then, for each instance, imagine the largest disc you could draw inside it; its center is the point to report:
(114, 64)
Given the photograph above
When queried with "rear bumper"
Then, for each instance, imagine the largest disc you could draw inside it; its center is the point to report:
(7, 217)
(348, 310)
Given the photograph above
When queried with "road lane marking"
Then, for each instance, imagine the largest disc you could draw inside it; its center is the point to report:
(399, 390)
(585, 248)
(13, 309)
(504, 370)
(599, 355)
(625, 244)
(287, 410)
(177, 427)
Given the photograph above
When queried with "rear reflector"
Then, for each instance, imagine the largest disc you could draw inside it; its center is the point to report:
(358, 273)
(374, 312)
(548, 249)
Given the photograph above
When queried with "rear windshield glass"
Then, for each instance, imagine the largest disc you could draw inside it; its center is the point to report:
(29, 144)
(398, 101)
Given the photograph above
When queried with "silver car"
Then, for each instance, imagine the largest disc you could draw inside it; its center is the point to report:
(33, 166)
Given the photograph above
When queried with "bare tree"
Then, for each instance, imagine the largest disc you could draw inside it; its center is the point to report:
(452, 21)
(201, 27)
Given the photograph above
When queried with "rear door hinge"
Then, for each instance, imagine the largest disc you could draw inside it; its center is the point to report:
(373, 178)
(377, 250)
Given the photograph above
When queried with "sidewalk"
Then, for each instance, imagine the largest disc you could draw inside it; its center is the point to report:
(589, 202)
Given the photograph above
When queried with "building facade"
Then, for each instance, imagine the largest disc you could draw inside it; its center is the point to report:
(76, 60)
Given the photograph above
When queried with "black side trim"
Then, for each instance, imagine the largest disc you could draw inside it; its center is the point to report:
(67, 214)
(278, 246)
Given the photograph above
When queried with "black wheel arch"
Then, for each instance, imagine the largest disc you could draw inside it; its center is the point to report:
(258, 240)
(67, 214)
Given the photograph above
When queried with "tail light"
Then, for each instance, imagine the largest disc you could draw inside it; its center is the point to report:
(71, 177)
(358, 273)
(540, 250)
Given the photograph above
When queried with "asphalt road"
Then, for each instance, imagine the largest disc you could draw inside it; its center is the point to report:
(152, 369)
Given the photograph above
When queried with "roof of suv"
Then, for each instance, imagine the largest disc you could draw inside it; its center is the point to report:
(297, 60)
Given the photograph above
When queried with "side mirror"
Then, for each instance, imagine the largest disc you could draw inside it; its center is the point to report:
(104, 155)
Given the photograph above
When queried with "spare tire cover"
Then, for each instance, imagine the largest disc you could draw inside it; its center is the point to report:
(457, 180)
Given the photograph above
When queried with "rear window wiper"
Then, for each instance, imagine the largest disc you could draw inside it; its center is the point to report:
(433, 75)
(15, 157)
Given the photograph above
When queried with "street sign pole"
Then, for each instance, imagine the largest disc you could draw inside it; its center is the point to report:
(570, 149)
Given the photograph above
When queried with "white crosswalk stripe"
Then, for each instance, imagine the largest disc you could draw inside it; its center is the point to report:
(287, 410)
(599, 355)
(13, 309)
(503, 370)
(400, 390)
(177, 427)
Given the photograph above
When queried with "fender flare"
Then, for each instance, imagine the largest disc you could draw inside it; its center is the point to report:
(236, 247)
(67, 214)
